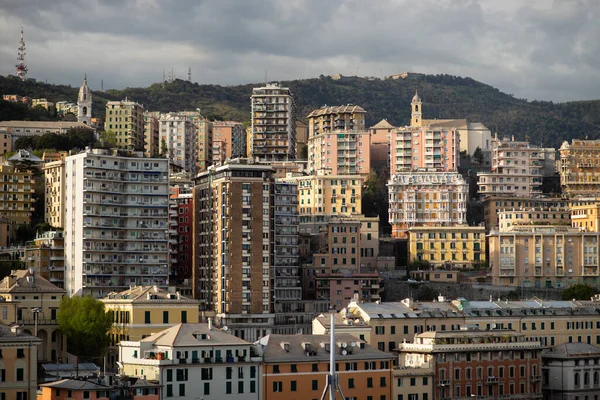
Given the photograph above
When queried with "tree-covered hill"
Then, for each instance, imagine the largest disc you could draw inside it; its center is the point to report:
(444, 96)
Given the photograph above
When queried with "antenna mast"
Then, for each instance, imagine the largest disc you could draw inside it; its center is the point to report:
(333, 384)
(21, 66)
(189, 75)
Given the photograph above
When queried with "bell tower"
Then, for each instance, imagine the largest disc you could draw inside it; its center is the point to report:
(84, 103)
(415, 119)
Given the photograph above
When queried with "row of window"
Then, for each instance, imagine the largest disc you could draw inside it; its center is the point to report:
(278, 385)
(349, 366)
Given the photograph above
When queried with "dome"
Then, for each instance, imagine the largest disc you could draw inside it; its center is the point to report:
(416, 98)
(84, 91)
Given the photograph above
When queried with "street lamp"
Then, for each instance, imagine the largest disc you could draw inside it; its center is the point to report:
(36, 311)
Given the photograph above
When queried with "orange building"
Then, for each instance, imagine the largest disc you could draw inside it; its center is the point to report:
(18, 364)
(296, 366)
(77, 389)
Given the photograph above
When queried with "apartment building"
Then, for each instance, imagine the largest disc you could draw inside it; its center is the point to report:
(339, 287)
(338, 141)
(80, 389)
(54, 188)
(580, 167)
(204, 138)
(18, 129)
(233, 241)
(459, 246)
(323, 196)
(585, 214)
(19, 362)
(17, 193)
(381, 134)
(178, 132)
(118, 229)
(5, 141)
(296, 367)
(426, 199)
(195, 360)
(45, 254)
(474, 135)
(32, 301)
(152, 143)
(273, 136)
(301, 140)
(125, 119)
(141, 311)
(435, 275)
(569, 371)
(42, 102)
(476, 363)
(182, 206)
(15, 98)
(539, 216)
(517, 169)
(494, 204)
(544, 256)
(233, 136)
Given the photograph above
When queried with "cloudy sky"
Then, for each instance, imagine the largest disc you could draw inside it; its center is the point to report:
(534, 49)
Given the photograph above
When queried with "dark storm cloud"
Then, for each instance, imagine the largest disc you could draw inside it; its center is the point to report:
(535, 49)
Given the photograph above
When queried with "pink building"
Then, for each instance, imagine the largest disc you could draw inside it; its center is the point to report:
(430, 144)
(342, 287)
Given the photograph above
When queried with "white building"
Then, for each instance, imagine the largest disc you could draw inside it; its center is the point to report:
(178, 132)
(426, 198)
(116, 222)
(474, 135)
(84, 104)
(195, 361)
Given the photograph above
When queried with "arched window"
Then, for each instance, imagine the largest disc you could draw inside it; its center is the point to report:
(576, 379)
(84, 96)
(84, 110)
(596, 378)
(586, 378)
(417, 107)
(53, 336)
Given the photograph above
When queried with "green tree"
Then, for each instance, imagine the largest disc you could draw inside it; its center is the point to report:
(108, 139)
(478, 156)
(578, 292)
(164, 150)
(86, 324)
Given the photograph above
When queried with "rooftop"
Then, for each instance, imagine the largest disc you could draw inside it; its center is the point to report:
(146, 294)
(573, 350)
(26, 280)
(43, 124)
(191, 334)
(347, 109)
(383, 124)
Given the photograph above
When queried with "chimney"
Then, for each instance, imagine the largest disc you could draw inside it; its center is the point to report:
(210, 324)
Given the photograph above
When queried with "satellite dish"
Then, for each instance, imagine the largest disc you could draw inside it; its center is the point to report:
(344, 352)
(225, 328)
(344, 344)
(353, 344)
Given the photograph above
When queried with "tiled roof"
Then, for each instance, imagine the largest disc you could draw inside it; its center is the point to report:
(573, 350)
(24, 280)
(383, 124)
(75, 384)
(185, 335)
(348, 109)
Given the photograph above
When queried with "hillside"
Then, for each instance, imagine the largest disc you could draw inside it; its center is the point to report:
(444, 96)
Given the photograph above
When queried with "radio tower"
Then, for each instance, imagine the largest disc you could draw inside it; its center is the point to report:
(21, 66)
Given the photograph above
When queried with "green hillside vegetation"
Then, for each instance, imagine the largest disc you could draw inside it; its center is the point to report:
(444, 96)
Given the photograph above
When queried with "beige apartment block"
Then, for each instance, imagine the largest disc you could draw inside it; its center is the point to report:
(126, 119)
(580, 167)
(54, 178)
(494, 204)
(517, 169)
(46, 255)
(273, 136)
(426, 199)
(544, 256)
(204, 138)
(301, 140)
(17, 193)
(233, 135)
(533, 216)
(323, 196)
(178, 132)
(42, 103)
(585, 214)
(338, 141)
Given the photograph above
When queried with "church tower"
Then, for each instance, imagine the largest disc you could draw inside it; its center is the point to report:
(84, 103)
(415, 119)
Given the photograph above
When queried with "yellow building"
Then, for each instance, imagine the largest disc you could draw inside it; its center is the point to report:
(126, 119)
(580, 167)
(436, 275)
(54, 174)
(5, 141)
(462, 246)
(19, 363)
(323, 196)
(32, 301)
(531, 216)
(45, 254)
(585, 214)
(544, 256)
(42, 103)
(492, 205)
(17, 193)
(144, 310)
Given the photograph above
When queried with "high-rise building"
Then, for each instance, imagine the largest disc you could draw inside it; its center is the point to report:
(232, 136)
(380, 141)
(116, 230)
(151, 137)
(178, 132)
(426, 198)
(338, 141)
(517, 169)
(580, 167)
(54, 178)
(126, 120)
(84, 104)
(204, 139)
(273, 124)
(17, 193)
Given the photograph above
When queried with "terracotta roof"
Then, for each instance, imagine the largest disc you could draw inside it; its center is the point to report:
(383, 124)
(348, 109)
(75, 384)
(185, 335)
(24, 280)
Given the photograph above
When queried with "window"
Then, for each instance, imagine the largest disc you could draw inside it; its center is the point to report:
(228, 372)
(425, 381)
(293, 386)
(315, 368)
(252, 386)
(184, 317)
(315, 384)
(147, 317)
(169, 375)
(86, 394)
(294, 368)
(240, 386)
(413, 381)
(165, 317)
(253, 372)
(169, 390)
(20, 353)
(207, 388)
(182, 389)
(369, 382)
(20, 374)
(277, 386)
(227, 387)
(351, 383)
(382, 382)
(275, 369)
